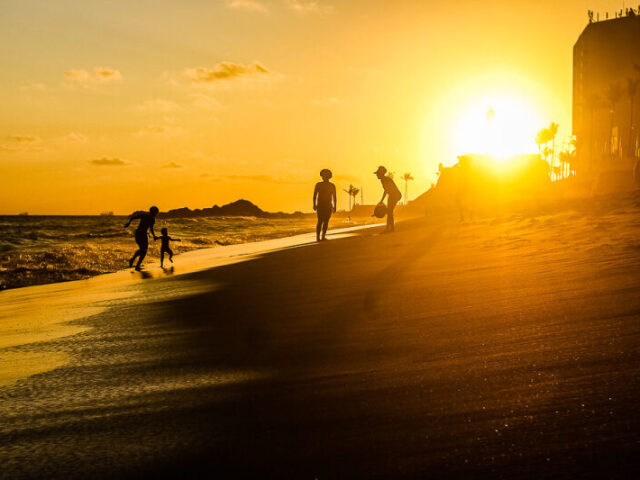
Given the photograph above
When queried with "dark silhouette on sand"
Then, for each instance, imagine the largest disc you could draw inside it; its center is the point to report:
(147, 220)
(390, 189)
(324, 203)
(164, 246)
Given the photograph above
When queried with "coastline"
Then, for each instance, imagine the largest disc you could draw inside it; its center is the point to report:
(494, 348)
(42, 250)
(42, 313)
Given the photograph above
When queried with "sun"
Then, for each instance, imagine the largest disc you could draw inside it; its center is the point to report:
(498, 125)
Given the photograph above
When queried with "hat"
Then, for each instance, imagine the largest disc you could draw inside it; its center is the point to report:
(381, 169)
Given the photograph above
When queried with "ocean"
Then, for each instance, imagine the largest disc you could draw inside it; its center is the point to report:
(46, 249)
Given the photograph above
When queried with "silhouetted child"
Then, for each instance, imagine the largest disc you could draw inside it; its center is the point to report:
(324, 202)
(164, 246)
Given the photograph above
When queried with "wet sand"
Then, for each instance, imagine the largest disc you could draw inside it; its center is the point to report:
(496, 348)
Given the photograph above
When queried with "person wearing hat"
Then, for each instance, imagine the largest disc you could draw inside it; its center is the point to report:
(147, 220)
(324, 203)
(392, 191)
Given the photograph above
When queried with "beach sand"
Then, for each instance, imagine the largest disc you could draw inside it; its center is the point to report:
(502, 347)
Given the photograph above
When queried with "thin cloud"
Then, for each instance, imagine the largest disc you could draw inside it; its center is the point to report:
(204, 101)
(172, 165)
(223, 74)
(249, 5)
(99, 75)
(225, 71)
(24, 139)
(109, 162)
(158, 105)
(160, 131)
(308, 6)
(74, 138)
(21, 143)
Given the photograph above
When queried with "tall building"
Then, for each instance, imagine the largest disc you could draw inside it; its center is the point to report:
(606, 95)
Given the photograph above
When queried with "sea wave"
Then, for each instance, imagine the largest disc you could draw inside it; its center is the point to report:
(36, 250)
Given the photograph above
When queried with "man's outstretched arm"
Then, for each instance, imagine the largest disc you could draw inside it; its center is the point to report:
(132, 217)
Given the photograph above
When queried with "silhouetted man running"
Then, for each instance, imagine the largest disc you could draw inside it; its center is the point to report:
(392, 190)
(147, 220)
(324, 202)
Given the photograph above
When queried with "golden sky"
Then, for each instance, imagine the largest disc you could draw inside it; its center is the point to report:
(117, 105)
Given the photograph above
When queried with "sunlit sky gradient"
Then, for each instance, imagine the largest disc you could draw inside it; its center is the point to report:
(117, 105)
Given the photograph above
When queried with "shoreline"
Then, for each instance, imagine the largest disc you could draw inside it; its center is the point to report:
(66, 249)
(42, 313)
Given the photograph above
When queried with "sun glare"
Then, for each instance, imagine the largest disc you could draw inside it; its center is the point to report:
(497, 125)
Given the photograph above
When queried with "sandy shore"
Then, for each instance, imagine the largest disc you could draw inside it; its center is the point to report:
(496, 348)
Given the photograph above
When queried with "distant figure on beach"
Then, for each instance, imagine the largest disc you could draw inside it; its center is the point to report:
(324, 203)
(390, 189)
(164, 245)
(147, 220)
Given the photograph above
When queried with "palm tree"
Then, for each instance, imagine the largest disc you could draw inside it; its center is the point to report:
(614, 92)
(553, 131)
(406, 177)
(567, 159)
(632, 89)
(350, 193)
(546, 152)
(542, 139)
(355, 193)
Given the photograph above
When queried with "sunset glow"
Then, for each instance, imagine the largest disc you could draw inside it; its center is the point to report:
(215, 101)
(497, 125)
(321, 239)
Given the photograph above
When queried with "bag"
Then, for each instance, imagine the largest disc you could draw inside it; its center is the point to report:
(380, 211)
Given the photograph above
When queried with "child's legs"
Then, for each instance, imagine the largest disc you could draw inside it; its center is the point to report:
(161, 257)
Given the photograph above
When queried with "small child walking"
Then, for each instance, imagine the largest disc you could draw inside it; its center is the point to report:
(164, 246)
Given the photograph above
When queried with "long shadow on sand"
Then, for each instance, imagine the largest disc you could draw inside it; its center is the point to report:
(296, 366)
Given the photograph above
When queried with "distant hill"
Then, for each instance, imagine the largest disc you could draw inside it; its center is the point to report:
(239, 208)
